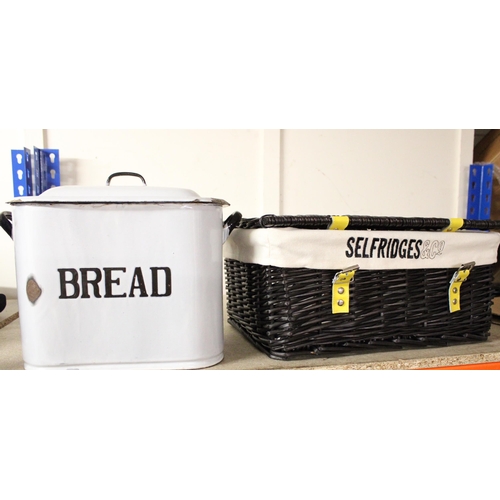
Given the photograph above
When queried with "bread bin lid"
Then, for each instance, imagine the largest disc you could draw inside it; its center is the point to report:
(109, 194)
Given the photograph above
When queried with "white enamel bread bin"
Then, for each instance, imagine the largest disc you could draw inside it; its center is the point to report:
(120, 277)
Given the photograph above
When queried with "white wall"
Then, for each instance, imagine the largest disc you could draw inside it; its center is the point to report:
(375, 172)
(378, 172)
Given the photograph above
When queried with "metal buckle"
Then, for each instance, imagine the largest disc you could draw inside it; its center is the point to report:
(345, 271)
(464, 267)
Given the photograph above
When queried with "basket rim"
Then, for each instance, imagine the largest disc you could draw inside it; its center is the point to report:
(350, 222)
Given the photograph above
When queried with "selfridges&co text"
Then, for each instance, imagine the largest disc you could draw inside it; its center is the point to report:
(393, 248)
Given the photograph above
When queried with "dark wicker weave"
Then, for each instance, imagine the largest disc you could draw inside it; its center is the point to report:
(363, 222)
(287, 313)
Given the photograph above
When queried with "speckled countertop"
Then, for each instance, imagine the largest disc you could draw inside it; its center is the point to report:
(239, 354)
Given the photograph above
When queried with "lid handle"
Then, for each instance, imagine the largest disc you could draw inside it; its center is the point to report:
(118, 174)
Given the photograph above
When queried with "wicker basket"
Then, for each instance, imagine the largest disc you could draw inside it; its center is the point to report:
(285, 283)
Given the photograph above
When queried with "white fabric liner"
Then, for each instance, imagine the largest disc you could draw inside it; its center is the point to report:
(327, 249)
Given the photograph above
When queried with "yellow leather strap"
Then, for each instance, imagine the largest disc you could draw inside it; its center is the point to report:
(455, 225)
(340, 290)
(339, 222)
(456, 281)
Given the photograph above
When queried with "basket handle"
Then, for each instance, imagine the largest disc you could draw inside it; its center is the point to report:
(231, 223)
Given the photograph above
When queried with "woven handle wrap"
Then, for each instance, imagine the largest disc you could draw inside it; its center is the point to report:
(366, 222)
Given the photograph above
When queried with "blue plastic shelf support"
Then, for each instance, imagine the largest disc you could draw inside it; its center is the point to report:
(480, 191)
